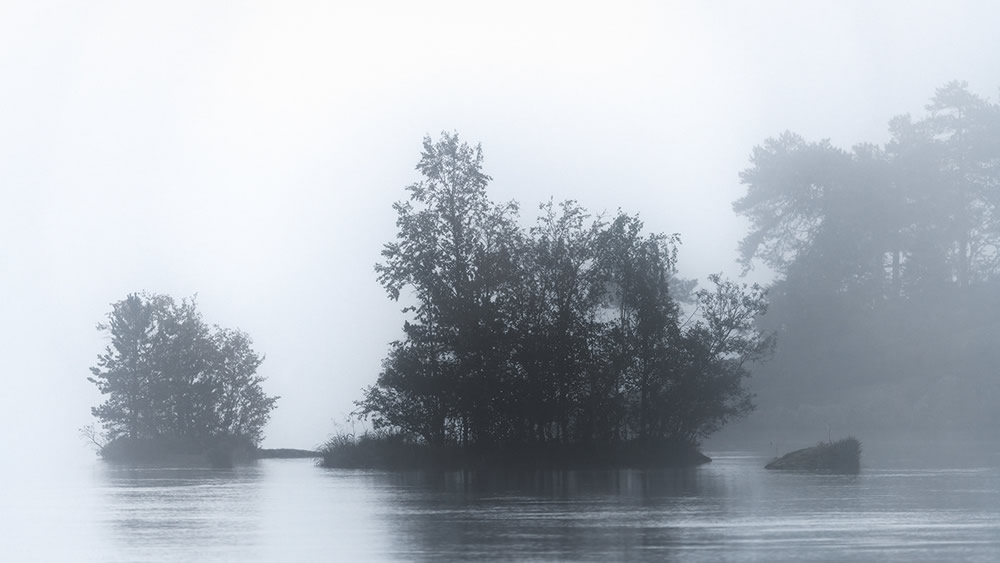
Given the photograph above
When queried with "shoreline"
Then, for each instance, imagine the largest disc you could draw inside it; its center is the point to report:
(392, 453)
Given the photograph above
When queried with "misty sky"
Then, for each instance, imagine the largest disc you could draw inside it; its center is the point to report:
(250, 152)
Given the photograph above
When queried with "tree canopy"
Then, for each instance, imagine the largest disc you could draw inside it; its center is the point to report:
(166, 374)
(569, 331)
(919, 212)
(888, 261)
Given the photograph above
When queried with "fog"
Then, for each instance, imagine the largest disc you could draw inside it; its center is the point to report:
(249, 153)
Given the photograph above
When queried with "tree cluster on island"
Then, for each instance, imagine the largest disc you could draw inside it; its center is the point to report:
(576, 335)
(175, 385)
(887, 301)
(572, 335)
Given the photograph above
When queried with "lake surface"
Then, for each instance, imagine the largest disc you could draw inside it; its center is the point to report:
(912, 505)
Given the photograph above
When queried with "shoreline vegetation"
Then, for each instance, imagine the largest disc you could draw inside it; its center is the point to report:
(569, 343)
(397, 452)
(573, 340)
(176, 389)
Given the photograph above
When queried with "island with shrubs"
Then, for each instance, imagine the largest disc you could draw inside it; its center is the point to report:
(568, 343)
(176, 389)
(571, 342)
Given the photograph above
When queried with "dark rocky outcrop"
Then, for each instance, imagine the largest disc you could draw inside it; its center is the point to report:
(842, 456)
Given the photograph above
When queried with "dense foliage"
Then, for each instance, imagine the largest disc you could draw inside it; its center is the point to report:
(568, 332)
(888, 260)
(168, 375)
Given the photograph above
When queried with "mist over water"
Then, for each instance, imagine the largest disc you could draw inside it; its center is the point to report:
(250, 153)
(917, 502)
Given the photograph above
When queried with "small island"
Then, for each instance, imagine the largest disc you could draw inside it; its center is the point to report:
(842, 456)
(393, 452)
(177, 390)
(570, 343)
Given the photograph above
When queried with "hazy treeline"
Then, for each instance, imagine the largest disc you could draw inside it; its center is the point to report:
(168, 375)
(889, 268)
(570, 331)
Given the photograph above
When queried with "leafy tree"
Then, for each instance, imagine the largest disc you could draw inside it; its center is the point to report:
(238, 404)
(884, 255)
(922, 212)
(561, 286)
(644, 326)
(790, 188)
(166, 374)
(707, 388)
(124, 370)
(566, 332)
(957, 231)
(182, 364)
(456, 250)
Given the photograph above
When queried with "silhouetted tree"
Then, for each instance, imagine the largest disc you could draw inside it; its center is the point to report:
(167, 374)
(124, 371)
(707, 388)
(884, 255)
(565, 332)
(555, 321)
(921, 213)
(644, 317)
(456, 250)
(238, 405)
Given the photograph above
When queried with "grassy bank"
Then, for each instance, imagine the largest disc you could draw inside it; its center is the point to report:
(396, 452)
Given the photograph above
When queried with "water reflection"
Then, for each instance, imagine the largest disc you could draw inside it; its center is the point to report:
(578, 515)
(562, 483)
(731, 509)
(182, 513)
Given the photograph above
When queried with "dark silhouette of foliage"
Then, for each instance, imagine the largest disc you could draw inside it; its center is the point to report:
(168, 376)
(568, 332)
(887, 259)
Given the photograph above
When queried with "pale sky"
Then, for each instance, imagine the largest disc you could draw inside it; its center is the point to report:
(250, 152)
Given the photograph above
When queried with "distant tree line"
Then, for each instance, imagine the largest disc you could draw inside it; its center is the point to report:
(888, 263)
(168, 375)
(571, 331)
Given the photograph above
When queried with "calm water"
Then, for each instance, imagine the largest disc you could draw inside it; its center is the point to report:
(908, 506)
